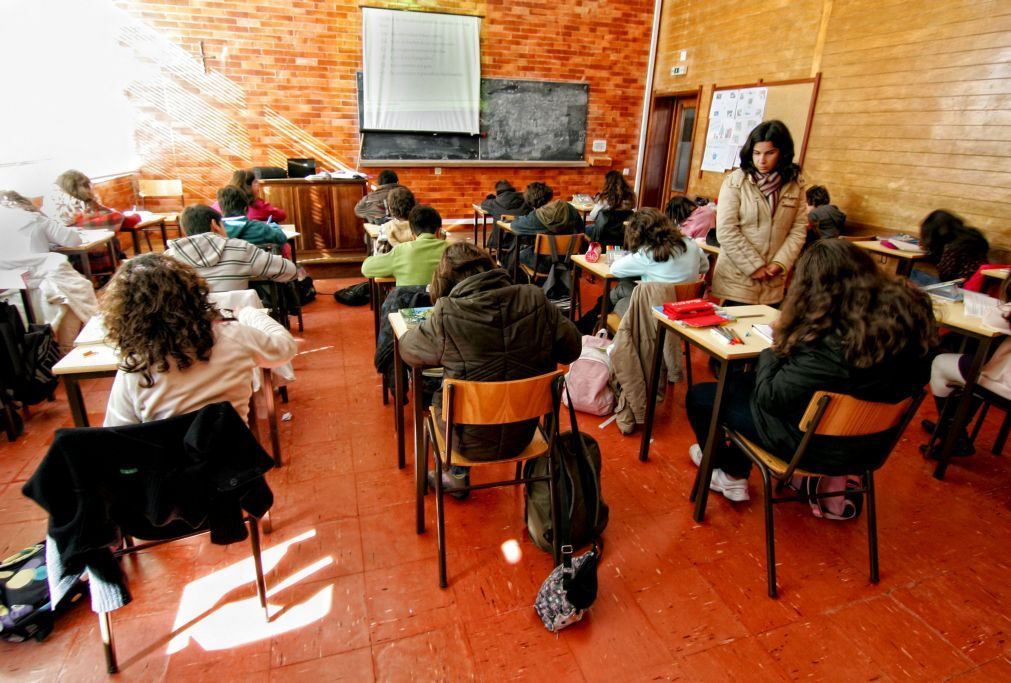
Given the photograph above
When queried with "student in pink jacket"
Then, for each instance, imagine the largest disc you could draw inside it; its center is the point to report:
(259, 210)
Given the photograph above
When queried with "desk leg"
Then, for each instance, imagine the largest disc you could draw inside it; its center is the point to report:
(654, 385)
(605, 304)
(962, 411)
(86, 267)
(476, 217)
(904, 267)
(76, 400)
(268, 399)
(484, 233)
(575, 307)
(417, 395)
(136, 241)
(114, 253)
(398, 401)
(376, 308)
(700, 489)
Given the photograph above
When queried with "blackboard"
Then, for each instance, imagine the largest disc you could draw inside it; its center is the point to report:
(520, 121)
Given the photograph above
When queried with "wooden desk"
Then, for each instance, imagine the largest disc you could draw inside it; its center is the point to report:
(105, 240)
(725, 355)
(481, 215)
(323, 211)
(154, 220)
(713, 251)
(372, 232)
(892, 260)
(602, 270)
(951, 314)
(584, 208)
(93, 360)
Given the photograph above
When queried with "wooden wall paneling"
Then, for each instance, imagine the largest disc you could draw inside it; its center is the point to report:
(323, 212)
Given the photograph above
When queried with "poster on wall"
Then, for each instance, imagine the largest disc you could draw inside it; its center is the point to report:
(732, 115)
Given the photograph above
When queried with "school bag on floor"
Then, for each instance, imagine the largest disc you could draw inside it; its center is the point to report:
(25, 609)
(589, 377)
(580, 497)
(26, 358)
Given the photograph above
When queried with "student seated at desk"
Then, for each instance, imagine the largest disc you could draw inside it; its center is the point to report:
(695, 219)
(956, 249)
(948, 372)
(234, 204)
(225, 263)
(824, 220)
(613, 205)
(398, 229)
(177, 352)
(485, 328)
(259, 209)
(372, 207)
(64, 297)
(505, 202)
(411, 263)
(846, 328)
(556, 217)
(72, 201)
(659, 253)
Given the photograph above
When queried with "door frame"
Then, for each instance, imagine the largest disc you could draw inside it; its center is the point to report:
(681, 99)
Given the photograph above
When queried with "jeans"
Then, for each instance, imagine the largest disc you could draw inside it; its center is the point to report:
(736, 415)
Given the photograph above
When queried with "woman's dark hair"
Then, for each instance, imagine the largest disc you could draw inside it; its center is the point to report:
(817, 195)
(196, 219)
(243, 181)
(504, 186)
(680, 208)
(459, 261)
(937, 230)
(387, 177)
(424, 218)
(653, 231)
(156, 310)
(837, 289)
(232, 201)
(616, 191)
(537, 194)
(778, 134)
(400, 201)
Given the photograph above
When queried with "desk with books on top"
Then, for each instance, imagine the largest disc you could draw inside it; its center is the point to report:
(401, 321)
(891, 260)
(481, 216)
(93, 239)
(952, 315)
(726, 355)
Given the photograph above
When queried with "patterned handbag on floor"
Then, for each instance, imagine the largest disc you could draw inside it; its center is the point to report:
(569, 590)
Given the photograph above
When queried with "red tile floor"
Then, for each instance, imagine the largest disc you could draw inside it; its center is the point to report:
(355, 593)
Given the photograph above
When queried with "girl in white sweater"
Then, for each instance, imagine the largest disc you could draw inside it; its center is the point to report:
(177, 352)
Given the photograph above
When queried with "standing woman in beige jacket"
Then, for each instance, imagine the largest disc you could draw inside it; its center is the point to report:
(760, 219)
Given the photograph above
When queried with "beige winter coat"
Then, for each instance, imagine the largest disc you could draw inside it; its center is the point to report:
(751, 237)
(632, 353)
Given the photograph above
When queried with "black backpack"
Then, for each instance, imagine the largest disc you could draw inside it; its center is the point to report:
(580, 498)
(26, 363)
(25, 609)
(355, 295)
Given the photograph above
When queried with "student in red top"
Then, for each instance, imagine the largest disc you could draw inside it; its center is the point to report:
(259, 209)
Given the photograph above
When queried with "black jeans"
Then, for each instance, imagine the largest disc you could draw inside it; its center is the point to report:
(736, 415)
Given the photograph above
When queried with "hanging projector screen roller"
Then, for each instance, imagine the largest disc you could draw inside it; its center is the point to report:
(422, 71)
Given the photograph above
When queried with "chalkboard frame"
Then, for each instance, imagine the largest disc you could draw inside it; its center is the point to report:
(473, 150)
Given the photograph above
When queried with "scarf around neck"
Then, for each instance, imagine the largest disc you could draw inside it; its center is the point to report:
(768, 184)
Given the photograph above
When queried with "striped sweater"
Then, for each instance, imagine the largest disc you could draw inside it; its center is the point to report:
(229, 264)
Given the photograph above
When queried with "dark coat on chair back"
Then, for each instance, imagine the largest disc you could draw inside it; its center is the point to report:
(153, 481)
(488, 329)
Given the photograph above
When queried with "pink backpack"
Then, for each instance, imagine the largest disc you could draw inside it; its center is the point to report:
(589, 377)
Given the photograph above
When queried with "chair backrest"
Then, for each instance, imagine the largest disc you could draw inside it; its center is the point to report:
(489, 403)
(160, 187)
(542, 244)
(845, 415)
(684, 291)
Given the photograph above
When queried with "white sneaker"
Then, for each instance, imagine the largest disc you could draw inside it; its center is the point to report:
(695, 453)
(735, 490)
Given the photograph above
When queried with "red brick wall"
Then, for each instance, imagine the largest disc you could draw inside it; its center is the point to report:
(280, 83)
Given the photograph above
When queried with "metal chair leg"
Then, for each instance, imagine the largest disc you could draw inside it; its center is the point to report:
(519, 470)
(261, 584)
(105, 628)
(440, 521)
(770, 532)
(872, 526)
(688, 364)
(979, 421)
(556, 538)
(1005, 427)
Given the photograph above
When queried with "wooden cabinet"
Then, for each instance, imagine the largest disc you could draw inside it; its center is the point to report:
(323, 212)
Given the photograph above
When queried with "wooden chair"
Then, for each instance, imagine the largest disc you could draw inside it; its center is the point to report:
(833, 415)
(683, 291)
(987, 398)
(553, 248)
(494, 403)
(160, 189)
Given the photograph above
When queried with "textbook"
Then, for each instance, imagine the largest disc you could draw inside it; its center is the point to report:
(949, 291)
(763, 331)
(693, 313)
(415, 316)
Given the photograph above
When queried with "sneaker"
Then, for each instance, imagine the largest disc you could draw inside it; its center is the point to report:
(456, 485)
(695, 453)
(734, 490)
